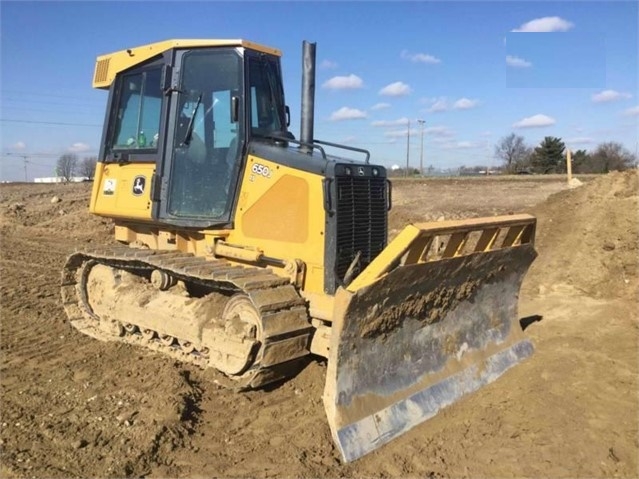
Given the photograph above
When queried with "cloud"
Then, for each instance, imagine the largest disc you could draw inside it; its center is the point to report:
(465, 104)
(350, 82)
(440, 104)
(535, 121)
(420, 58)
(21, 145)
(634, 111)
(78, 148)
(346, 113)
(328, 65)
(441, 131)
(398, 122)
(380, 106)
(396, 89)
(609, 95)
(396, 133)
(545, 24)
(516, 62)
(460, 145)
(441, 140)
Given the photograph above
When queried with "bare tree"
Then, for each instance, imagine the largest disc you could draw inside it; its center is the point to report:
(87, 167)
(581, 162)
(611, 156)
(66, 166)
(514, 152)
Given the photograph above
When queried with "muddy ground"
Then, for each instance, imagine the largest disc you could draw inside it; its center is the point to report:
(75, 407)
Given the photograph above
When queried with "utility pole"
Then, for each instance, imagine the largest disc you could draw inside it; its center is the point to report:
(421, 150)
(25, 159)
(407, 149)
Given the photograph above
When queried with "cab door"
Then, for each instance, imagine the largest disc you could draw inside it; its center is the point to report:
(203, 157)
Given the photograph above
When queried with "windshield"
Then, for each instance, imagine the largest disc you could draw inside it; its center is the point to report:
(205, 157)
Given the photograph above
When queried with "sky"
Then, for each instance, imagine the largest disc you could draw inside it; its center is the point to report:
(462, 74)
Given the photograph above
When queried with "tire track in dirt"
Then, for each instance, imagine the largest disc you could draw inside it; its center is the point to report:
(75, 407)
(72, 406)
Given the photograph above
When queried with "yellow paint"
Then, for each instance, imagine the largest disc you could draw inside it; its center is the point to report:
(109, 65)
(113, 192)
(320, 305)
(389, 255)
(200, 243)
(280, 212)
(411, 244)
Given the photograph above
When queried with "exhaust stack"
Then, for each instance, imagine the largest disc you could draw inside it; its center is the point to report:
(308, 95)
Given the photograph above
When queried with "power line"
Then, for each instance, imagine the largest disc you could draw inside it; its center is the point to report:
(73, 111)
(47, 156)
(13, 120)
(82, 104)
(18, 92)
(43, 156)
(25, 159)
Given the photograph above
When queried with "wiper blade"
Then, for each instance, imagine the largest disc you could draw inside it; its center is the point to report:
(189, 128)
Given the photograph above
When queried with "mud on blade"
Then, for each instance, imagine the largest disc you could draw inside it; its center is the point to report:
(433, 318)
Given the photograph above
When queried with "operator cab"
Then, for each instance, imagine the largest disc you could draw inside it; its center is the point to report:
(193, 111)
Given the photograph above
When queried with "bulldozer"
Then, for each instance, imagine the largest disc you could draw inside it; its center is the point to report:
(245, 250)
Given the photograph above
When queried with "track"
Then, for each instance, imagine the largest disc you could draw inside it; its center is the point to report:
(272, 345)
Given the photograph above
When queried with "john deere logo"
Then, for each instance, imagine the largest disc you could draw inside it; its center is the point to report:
(139, 183)
(360, 171)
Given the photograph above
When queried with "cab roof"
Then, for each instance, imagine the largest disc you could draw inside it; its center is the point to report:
(109, 65)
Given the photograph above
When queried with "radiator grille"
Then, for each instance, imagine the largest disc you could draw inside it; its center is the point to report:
(361, 216)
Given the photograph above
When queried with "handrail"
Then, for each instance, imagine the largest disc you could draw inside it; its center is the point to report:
(316, 145)
(297, 142)
(352, 148)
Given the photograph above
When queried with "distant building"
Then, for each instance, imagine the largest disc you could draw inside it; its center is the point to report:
(60, 179)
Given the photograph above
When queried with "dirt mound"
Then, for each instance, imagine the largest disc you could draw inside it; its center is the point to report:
(72, 406)
(53, 209)
(587, 238)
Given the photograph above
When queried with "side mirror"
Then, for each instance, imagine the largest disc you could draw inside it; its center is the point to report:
(235, 109)
(287, 110)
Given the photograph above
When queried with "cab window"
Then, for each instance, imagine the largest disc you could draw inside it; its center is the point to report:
(267, 103)
(138, 111)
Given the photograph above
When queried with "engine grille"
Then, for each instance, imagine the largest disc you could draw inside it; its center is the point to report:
(361, 214)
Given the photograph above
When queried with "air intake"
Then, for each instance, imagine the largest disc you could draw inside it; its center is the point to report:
(101, 71)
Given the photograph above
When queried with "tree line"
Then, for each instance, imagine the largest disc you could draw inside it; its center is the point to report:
(516, 156)
(550, 157)
(69, 166)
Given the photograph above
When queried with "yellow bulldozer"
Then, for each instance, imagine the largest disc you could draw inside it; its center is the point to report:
(246, 250)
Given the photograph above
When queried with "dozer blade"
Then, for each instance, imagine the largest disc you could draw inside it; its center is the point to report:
(432, 318)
